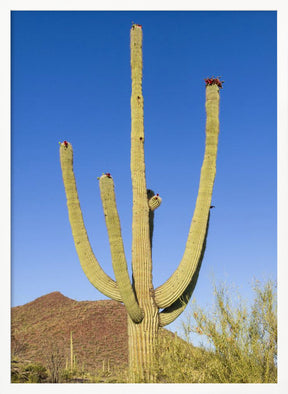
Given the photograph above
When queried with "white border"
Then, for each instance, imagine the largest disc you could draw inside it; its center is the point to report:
(5, 8)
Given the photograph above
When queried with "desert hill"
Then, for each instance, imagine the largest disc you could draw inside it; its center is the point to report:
(41, 332)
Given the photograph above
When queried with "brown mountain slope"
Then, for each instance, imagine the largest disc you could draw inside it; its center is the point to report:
(41, 332)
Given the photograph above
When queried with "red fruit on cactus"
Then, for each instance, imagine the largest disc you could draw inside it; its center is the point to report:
(213, 81)
(108, 174)
(65, 143)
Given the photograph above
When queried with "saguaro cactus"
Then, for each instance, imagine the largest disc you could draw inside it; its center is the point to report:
(148, 308)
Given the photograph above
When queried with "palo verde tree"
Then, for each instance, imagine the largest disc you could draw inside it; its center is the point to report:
(148, 308)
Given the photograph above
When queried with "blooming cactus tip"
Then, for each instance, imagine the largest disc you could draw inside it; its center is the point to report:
(214, 81)
(136, 24)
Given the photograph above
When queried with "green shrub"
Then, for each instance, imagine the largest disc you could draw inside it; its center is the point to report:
(243, 340)
(28, 372)
(179, 362)
(239, 343)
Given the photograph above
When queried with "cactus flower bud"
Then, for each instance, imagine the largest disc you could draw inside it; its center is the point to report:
(214, 81)
(154, 202)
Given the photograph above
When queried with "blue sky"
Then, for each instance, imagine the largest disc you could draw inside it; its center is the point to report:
(71, 80)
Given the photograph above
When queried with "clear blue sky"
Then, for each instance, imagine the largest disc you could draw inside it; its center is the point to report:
(71, 80)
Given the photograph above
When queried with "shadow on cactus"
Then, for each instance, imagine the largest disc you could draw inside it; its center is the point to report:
(148, 308)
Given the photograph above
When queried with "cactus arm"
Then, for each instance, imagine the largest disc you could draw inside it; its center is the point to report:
(168, 315)
(150, 194)
(154, 202)
(89, 263)
(141, 248)
(174, 287)
(117, 249)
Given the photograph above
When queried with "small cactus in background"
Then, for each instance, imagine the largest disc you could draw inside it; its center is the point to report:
(72, 356)
(148, 308)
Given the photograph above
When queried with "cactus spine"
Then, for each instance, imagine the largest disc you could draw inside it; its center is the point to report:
(142, 301)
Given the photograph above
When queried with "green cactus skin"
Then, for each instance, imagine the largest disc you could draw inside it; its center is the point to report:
(142, 301)
(117, 249)
(89, 264)
(174, 287)
(154, 202)
(168, 315)
(142, 337)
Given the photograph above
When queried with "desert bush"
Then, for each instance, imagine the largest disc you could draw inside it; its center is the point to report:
(74, 375)
(179, 362)
(28, 372)
(241, 340)
(238, 343)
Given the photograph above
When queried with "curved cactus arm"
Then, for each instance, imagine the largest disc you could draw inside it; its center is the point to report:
(88, 261)
(168, 315)
(174, 287)
(117, 249)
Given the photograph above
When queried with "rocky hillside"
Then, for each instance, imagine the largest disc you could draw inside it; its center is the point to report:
(41, 332)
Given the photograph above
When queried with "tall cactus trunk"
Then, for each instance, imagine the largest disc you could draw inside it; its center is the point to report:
(148, 309)
(142, 345)
(142, 336)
